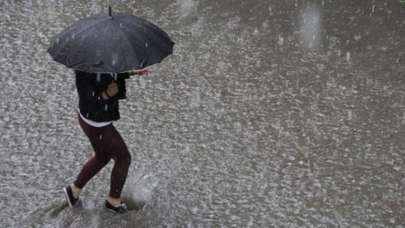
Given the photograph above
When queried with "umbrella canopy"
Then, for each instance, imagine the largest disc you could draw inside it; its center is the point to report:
(110, 44)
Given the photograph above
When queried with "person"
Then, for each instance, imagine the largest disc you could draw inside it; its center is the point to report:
(99, 95)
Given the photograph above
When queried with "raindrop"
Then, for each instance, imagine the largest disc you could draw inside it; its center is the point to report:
(114, 59)
(87, 115)
(142, 63)
(106, 107)
(98, 77)
(280, 40)
(195, 99)
(93, 93)
(348, 56)
(73, 36)
(373, 9)
(100, 137)
(146, 44)
(310, 27)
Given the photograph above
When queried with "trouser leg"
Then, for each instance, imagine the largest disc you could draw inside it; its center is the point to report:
(101, 158)
(122, 161)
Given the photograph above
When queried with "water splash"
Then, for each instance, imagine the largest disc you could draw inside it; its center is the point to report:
(310, 31)
(114, 58)
(186, 7)
(348, 56)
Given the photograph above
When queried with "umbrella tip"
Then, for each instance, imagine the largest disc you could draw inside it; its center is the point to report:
(109, 11)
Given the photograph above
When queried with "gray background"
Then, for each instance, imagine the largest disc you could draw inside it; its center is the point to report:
(269, 114)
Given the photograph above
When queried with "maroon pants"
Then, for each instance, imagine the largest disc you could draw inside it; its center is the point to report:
(107, 144)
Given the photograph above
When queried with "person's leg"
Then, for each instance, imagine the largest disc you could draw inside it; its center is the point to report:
(89, 170)
(97, 162)
(122, 160)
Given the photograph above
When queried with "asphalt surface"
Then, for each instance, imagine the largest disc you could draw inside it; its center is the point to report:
(268, 114)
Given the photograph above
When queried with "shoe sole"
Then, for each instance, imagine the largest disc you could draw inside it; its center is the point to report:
(67, 198)
(113, 211)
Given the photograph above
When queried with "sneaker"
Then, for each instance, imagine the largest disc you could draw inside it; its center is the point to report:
(69, 196)
(121, 209)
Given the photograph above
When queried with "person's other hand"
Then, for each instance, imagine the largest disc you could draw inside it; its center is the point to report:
(141, 72)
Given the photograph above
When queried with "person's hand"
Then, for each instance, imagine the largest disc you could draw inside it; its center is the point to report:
(140, 72)
(112, 90)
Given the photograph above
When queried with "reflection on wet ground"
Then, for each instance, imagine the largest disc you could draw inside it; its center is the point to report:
(269, 114)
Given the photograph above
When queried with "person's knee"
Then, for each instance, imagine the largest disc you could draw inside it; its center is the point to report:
(123, 157)
(127, 158)
(102, 159)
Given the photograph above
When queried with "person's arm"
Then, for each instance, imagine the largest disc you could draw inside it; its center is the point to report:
(139, 72)
(121, 82)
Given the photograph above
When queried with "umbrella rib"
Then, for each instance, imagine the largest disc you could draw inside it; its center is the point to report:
(140, 37)
(128, 41)
(124, 22)
(79, 32)
(156, 30)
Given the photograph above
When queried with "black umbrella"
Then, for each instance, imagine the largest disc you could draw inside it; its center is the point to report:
(111, 44)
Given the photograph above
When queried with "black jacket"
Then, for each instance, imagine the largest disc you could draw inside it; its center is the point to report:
(91, 104)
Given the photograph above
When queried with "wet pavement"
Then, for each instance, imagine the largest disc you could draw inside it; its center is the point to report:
(268, 114)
